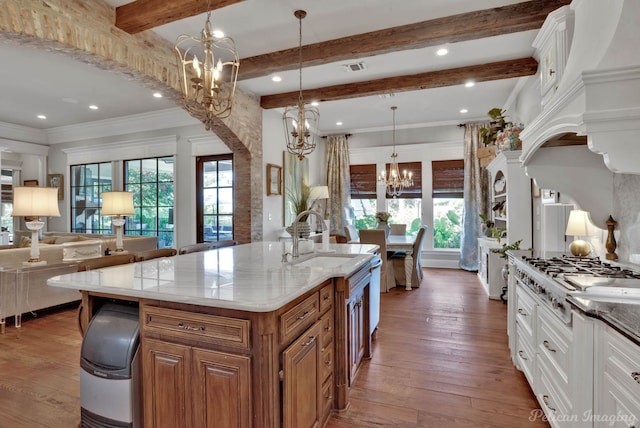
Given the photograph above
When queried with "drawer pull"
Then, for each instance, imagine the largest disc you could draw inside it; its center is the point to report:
(521, 353)
(311, 340)
(546, 345)
(190, 328)
(328, 397)
(326, 297)
(545, 398)
(305, 315)
(328, 328)
(522, 312)
(636, 376)
(328, 363)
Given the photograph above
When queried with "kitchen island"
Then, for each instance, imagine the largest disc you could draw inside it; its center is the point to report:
(237, 337)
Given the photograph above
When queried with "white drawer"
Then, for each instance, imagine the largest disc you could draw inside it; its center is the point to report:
(554, 341)
(525, 311)
(622, 360)
(525, 356)
(553, 400)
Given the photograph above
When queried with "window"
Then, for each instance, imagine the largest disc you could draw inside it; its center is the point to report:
(407, 207)
(6, 205)
(363, 195)
(88, 181)
(448, 203)
(214, 206)
(151, 182)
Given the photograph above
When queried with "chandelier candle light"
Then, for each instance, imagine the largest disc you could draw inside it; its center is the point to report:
(117, 204)
(208, 85)
(300, 120)
(35, 202)
(395, 182)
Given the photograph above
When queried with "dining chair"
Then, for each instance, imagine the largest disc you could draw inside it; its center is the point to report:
(105, 261)
(398, 229)
(336, 238)
(379, 238)
(351, 233)
(154, 254)
(397, 262)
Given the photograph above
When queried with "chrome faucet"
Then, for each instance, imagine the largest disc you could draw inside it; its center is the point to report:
(295, 237)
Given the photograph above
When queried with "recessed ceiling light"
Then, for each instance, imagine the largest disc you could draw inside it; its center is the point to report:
(469, 84)
(42, 116)
(339, 123)
(93, 107)
(276, 79)
(464, 110)
(315, 103)
(157, 95)
(218, 34)
(442, 51)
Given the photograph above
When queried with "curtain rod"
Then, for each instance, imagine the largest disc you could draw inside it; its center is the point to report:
(346, 135)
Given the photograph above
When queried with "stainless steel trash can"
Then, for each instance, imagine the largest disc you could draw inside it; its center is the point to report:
(110, 369)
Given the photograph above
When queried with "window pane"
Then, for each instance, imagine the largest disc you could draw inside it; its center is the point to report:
(149, 195)
(165, 169)
(406, 211)
(210, 176)
(447, 218)
(364, 213)
(149, 170)
(210, 197)
(87, 184)
(225, 202)
(215, 198)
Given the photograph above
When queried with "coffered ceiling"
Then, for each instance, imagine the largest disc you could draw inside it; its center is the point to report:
(394, 42)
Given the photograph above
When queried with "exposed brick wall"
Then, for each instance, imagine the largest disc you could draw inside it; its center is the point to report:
(85, 31)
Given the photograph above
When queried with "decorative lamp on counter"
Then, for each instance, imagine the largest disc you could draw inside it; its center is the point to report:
(208, 68)
(299, 121)
(117, 204)
(33, 203)
(317, 194)
(578, 226)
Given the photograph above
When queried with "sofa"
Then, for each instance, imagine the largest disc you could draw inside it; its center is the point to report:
(61, 251)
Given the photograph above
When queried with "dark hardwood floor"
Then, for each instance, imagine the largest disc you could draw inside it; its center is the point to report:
(440, 360)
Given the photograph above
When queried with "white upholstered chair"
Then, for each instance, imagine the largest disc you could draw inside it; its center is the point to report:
(398, 229)
(397, 262)
(351, 233)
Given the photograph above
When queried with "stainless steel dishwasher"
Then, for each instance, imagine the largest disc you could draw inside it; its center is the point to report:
(110, 369)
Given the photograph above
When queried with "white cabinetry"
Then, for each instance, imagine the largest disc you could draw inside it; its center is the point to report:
(617, 367)
(511, 188)
(490, 266)
(552, 49)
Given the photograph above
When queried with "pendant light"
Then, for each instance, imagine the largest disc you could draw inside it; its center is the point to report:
(395, 182)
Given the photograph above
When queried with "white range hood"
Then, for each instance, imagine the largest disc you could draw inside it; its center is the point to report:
(599, 92)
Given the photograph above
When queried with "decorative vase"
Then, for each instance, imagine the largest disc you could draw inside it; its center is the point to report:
(384, 226)
(304, 230)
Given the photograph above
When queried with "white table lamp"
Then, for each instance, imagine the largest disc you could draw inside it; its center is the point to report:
(35, 202)
(117, 204)
(578, 225)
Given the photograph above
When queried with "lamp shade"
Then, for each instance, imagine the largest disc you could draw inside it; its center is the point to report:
(35, 202)
(578, 224)
(117, 203)
(319, 192)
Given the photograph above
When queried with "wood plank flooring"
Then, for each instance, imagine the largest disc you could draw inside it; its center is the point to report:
(440, 360)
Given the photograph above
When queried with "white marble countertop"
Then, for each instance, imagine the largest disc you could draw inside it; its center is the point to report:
(250, 277)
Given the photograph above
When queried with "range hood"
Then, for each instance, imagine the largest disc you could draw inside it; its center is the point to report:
(597, 101)
(598, 95)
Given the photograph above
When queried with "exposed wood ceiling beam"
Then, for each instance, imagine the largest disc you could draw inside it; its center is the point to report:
(517, 17)
(142, 15)
(428, 80)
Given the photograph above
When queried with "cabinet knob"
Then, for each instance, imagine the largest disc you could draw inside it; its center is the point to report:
(522, 312)
(548, 346)
(521, 353)
(545, 398)
(636, 376)
(551, 72)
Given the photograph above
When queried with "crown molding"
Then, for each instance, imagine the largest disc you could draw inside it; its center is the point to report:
(12, 131)
(152, 121)
(131, 149)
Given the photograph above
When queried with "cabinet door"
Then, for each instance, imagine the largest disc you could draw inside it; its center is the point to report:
(221, 388)
(165, 378)
(356, 335)
(302, 383)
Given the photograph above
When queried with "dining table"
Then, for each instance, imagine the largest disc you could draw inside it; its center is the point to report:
(403, 243)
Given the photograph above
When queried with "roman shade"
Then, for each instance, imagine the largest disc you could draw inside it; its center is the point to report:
(363, 181)
(447, 178)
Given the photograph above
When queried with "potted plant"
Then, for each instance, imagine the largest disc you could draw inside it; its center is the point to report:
(501, 133)
(299, 203)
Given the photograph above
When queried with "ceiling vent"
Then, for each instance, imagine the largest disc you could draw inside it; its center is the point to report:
(387, 95)
(356, 66)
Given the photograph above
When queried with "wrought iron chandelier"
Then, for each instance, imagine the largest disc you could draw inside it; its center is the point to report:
(395, 182)
(208, 85)
(299, 121)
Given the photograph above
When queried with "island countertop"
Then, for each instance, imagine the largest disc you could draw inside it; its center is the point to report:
(250, 277)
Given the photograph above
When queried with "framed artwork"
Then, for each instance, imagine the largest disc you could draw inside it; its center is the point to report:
(274, 179)
(550, 196)
(295, 176)
(57, 181)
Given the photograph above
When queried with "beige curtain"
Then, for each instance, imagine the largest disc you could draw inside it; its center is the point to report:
(476, 197)
(338, 181)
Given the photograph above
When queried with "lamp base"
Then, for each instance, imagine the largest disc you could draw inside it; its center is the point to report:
(580, 248)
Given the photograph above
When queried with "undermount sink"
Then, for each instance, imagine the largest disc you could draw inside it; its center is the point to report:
(324, 262)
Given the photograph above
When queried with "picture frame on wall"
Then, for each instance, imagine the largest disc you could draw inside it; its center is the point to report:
(57, 181)
(274, 179)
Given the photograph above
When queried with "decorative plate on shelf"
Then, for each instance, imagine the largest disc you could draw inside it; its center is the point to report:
(500, 184)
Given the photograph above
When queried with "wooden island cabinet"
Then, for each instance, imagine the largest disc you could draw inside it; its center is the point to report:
(287, 365)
